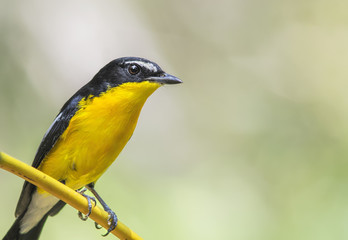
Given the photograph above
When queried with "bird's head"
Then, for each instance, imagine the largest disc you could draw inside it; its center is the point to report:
(133, 69)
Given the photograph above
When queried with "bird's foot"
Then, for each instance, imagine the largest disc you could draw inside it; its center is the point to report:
(89, 200)
(112, 221)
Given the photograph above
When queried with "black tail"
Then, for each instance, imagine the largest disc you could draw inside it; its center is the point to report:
(33, 234)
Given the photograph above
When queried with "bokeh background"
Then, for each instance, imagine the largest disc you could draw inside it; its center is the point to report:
(252, 146)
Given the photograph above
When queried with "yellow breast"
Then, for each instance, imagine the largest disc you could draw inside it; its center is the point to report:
(96, 134)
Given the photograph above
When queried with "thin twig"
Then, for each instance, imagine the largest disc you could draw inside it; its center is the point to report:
(64, 193)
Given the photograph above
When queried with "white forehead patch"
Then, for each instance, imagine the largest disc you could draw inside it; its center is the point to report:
(146, 65)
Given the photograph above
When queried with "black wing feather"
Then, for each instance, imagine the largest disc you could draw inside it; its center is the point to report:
(59, 125)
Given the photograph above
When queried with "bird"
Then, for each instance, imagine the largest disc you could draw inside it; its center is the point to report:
(85, 138)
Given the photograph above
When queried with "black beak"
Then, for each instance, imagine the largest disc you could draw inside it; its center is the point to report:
(164, 79)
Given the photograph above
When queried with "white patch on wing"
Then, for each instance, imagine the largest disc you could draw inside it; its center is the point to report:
(55, 120)
(147, 65)
(40, 204)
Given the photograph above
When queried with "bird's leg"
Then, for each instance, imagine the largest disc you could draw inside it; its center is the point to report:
(112, 220)
(89, 198)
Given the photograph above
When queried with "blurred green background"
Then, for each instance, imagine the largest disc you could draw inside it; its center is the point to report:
(252, 146)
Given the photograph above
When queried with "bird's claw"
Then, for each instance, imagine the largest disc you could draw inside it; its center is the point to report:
(112, 221)
(97, 226)
(89, 200)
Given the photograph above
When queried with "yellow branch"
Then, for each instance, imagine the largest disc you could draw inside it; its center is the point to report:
(64, 193)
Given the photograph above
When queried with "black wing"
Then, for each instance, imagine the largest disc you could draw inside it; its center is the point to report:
(59, 125)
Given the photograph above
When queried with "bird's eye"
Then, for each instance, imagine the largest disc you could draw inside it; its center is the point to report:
(133, 69)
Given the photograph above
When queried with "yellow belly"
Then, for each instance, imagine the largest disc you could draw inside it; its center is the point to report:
(96, 134)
